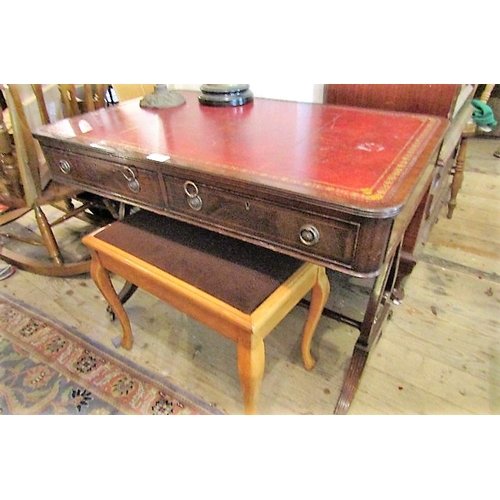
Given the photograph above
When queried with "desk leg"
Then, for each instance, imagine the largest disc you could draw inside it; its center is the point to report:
(102, 280)
(377, 311)
(458, 176)
(251, 364)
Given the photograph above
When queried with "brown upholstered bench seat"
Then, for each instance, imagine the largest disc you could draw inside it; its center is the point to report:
(239, 273)
(238, 289)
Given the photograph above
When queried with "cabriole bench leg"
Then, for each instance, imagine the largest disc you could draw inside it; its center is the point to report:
(251, 364)
(319, 296)
(101, 278)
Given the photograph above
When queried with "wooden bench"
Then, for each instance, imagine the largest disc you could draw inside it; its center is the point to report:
(239, 290)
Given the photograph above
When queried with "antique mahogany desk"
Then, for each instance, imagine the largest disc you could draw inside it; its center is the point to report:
(333, 185)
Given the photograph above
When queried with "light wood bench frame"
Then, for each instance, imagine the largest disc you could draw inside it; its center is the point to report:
(247, 330)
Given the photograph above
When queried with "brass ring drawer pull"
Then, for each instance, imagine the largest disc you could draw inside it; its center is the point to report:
(65, 166)
(309, 235)
(192, 193)
(133, 183)
(195, 203)
(191, 189)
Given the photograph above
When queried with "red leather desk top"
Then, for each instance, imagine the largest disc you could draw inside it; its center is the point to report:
(354, 157)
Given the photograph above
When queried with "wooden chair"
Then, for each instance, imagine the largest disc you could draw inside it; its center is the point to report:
(94, 97)
(239, 290)
(420, 98)
(25, 189)
(461, 156)
(430, 99)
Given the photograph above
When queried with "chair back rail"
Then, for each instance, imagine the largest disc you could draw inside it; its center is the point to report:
(40, 99)
(55, 257)
(26, 148)
(429, 99)
(94, 97)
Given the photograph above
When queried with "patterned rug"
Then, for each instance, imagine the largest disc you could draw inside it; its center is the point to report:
(46, 368)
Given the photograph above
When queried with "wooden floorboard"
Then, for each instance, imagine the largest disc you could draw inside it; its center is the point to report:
(439, 354)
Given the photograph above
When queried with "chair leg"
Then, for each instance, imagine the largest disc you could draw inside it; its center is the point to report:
(319, 296)
(48, 236)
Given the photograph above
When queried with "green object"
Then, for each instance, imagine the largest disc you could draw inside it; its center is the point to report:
(483, 114)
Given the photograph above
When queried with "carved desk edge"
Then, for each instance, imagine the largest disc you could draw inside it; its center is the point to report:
(355, 239)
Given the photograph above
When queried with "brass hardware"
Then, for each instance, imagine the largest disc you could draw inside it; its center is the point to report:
(128, 173)
(132, 183)
(309, 235)
(134, 186)
(192, 192)
(65, 166)
(195, 203)
(191, 189)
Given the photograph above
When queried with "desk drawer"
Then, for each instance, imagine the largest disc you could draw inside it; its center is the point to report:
(122, 181)
(311, 234)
